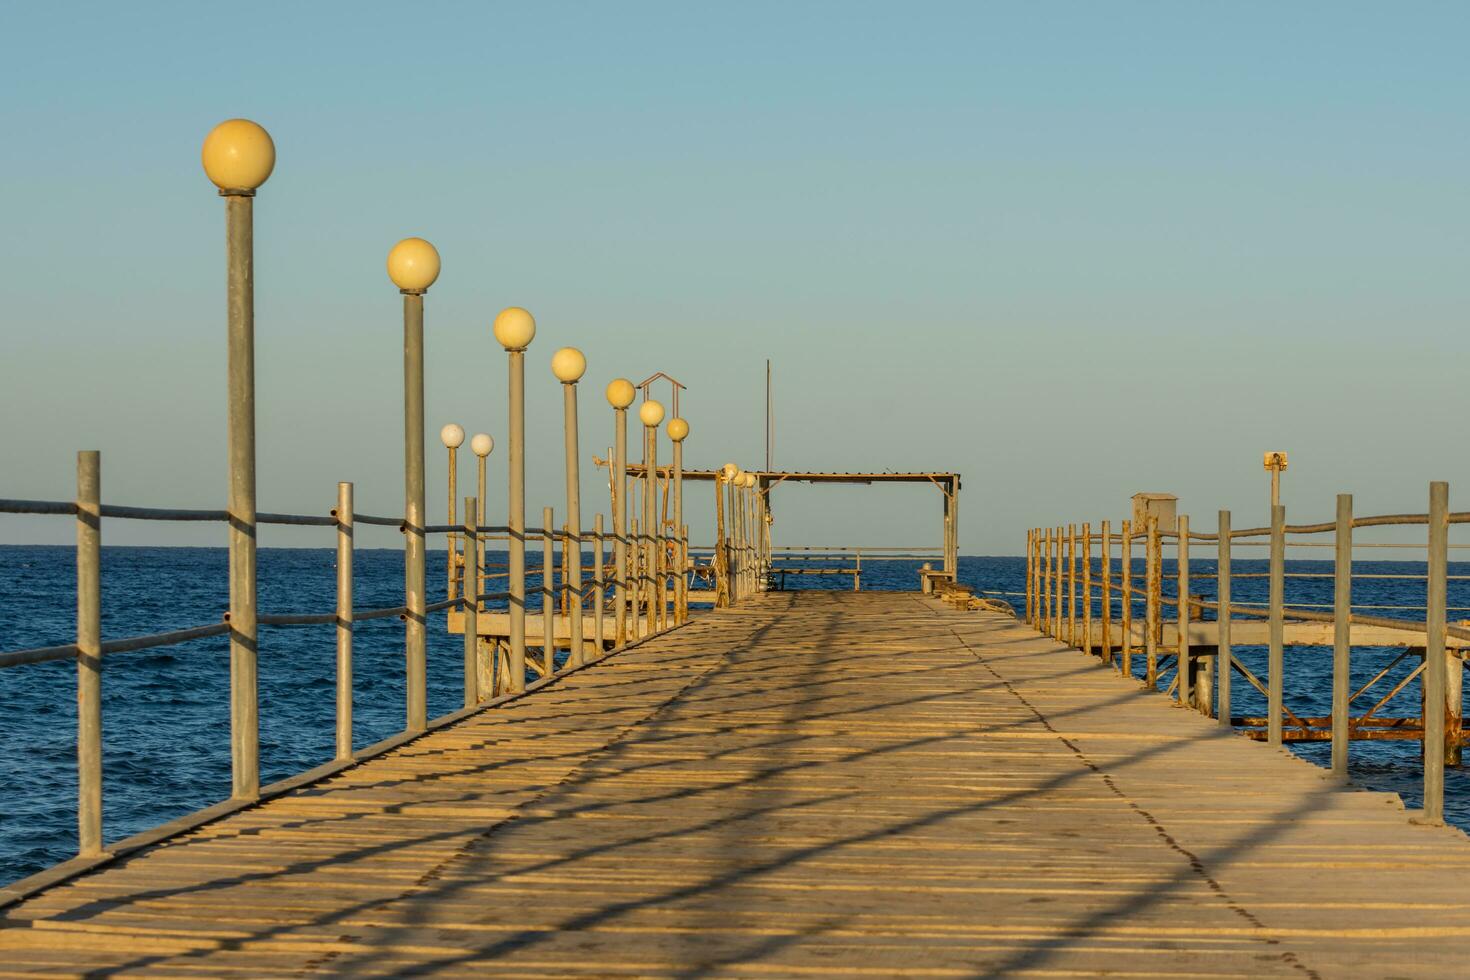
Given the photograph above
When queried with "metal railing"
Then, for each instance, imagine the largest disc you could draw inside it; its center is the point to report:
(658, 596)
(1092, 603)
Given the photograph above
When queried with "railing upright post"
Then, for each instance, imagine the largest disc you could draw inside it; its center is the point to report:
(343, 514)
(1153, 569)
(89, 653)
(1030, 569)
(1222, 617)
(471, 600)
(1125, 653)
(635, 577)
(684, 573)
(1342, 611)
(1105, 566)
(1045, 626)
(1183, 662)
(1276, 666)
(1087, 589)
(598, 589)
(1072, 585)
(1058, 597)
(1434, 654)
(548, 593)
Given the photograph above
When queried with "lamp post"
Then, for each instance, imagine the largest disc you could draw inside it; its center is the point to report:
(568, 364)
(413, 265)
(452, 435)
(515, 328)
(482, 446)
(238, 156)
(651, 414)
(620, 394)
(678, 430)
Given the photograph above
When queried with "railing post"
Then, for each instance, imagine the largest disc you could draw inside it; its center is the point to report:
(343, 514)
(1153, 574)
(1087, 589)
(857, 572)
(1105, 566)
(548, 593)
(1222, 617)
(635, 576)
(1030, 562)
(572, 545)
(1046, 606)
(1073, 639)
(684, 573)
(1434, 654)
(598, 590)
(1276, 628)
(1183, 662)
(1058, 598)
(1342, 649)
(1125, 654)
(89, 653)
(471, 600)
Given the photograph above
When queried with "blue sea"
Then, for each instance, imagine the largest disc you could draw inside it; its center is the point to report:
(166, 711)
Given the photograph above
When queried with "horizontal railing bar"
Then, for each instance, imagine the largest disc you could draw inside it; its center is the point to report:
(380, 521)
(162, 513)
(296, 619)
(164, 639)
(38, 507)
(313, 520)
(386, 612)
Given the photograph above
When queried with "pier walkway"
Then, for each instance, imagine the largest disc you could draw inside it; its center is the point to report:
(811, 784)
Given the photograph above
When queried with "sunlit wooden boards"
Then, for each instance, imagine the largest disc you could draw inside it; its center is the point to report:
(812, 784)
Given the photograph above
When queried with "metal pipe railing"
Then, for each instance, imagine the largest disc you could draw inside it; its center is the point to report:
(1050, 583)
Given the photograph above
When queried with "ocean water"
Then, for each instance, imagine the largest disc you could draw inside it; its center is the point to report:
(166, 711)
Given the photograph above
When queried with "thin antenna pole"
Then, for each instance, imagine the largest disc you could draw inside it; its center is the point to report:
(769, 430)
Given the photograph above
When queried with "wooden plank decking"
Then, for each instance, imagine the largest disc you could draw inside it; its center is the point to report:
(814, 784)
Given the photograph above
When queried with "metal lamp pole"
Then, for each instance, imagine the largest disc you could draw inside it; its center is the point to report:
(620, 394)
(568, 365)
(238, 156)
(452, 435)
(413, 265)
(678, 430)
(515, 328)
(651, 414)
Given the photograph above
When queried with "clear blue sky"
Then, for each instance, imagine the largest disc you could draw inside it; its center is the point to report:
(1072, 250)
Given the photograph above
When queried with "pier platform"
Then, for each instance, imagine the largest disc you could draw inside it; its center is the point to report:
(811, 784)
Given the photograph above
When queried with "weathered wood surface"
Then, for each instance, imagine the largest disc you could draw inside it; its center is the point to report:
(812, 784)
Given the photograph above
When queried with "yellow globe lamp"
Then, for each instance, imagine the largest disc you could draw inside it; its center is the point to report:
(238, 156)
(651, 413)
(728, 472)
(413, 265)
(678, 429)
(515, 328)
(452, 435)
(620, 392)
(568, 364)
(481, 444)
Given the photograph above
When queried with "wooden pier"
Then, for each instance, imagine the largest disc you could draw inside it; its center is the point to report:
(807, 784)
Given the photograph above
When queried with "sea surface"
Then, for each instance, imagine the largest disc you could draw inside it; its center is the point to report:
(166, 711)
